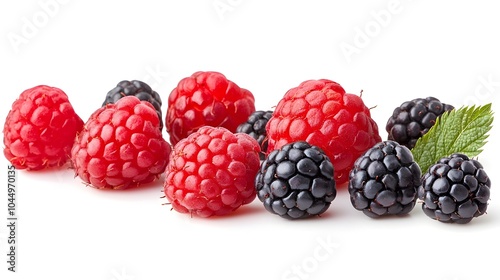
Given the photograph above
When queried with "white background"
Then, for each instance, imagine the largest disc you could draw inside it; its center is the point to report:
(392, 50)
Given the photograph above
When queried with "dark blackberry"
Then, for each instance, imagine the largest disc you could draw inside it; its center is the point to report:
(455, 190)
(255, 126)
(138, 89)
(413, 119)
(384, 180)
(296, 181)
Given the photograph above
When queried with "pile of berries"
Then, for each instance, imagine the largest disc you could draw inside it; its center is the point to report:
(223, 153)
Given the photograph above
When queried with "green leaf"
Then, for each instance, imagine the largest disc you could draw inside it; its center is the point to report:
(463, 130)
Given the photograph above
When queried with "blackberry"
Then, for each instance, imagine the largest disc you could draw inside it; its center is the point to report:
(384, 180)
(455, 190)
(255, 126)
(138, 89)
(296, 181)
(413, 119)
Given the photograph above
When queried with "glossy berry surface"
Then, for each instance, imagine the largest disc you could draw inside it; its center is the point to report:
(455, 190)
(40, 129)
(206, 99)
(211, 172)
(296, 181)
(321, 113)
(255, 126)
(413, 119)
(136, 88)
(384, 180)
(121, 146)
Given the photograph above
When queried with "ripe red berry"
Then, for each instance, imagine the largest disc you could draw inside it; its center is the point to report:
(323, 114)
(121, 146)
(206, 98)
(40, 129)
(212, 172)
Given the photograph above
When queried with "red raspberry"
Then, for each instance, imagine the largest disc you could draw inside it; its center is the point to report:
(323, 114)
(121, 146)
(40, 129)
(206, 98)
(212, 172)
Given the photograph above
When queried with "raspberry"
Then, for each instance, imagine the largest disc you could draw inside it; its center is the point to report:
(255, 126)
(40, 129)
(138, 89)
(455, 190)
(384, 180)
(211, 172)
(121, 146)
(296, 181)
(322, 114)
(206, 99)
(413, 119)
